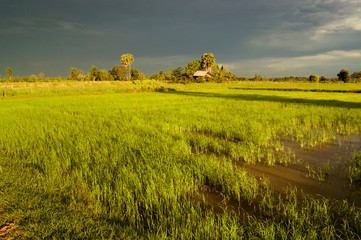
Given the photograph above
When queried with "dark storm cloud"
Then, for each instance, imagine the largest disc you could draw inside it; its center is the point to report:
(167, 33)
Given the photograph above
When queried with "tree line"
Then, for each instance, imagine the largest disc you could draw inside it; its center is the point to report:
(342, 76)
(185, 74)
(118, 72)
(178, 74)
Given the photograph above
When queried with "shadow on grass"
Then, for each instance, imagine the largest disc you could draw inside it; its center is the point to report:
(258, 97)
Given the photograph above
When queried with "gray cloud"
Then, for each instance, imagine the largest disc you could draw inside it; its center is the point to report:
(313, 26)
(163, 32)
(327, 64)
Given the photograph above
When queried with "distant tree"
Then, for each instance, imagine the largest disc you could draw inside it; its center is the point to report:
(161, 76)
(175, 74)
(257, 77)
(191, 68)
(75, 74)
(134, 74)
(9, 72)
(41, 75)
(323, 79)
(344, 76)
(142, 76)
(291, 78)
(220, 74)
(356, 75)
(33, 78)
(127, 60)
(119, 72)
(93, 73)
(314, 78)
(155, 76)
(103, 75)
(208, 61)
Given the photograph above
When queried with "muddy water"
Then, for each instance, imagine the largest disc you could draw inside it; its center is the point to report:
(319, 173)
(218, 203)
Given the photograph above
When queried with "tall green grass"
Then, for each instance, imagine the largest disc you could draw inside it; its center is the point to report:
(134, 163)
(354, 174)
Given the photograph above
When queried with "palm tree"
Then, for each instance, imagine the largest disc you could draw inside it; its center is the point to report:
(208, 61)
(127, 60)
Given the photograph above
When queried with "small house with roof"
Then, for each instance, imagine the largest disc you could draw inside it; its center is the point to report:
(203, 74)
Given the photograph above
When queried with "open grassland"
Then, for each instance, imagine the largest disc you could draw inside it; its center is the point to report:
(63, 88)
(338, 86)
(172, 163)
(66, 87)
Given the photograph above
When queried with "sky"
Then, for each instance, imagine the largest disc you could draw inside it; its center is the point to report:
(273, 38)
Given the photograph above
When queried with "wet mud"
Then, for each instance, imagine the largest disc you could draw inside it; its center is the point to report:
(215, 199)
(319, 172)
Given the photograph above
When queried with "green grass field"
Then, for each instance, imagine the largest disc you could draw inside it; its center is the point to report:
(143, 162)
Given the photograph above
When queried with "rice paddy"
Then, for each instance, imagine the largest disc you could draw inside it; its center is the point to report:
(205, 161)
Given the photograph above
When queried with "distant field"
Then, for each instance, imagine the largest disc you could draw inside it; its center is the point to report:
(295, 85)
(168, 161)
(20, 89)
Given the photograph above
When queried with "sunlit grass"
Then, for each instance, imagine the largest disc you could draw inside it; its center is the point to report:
(133, 164)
